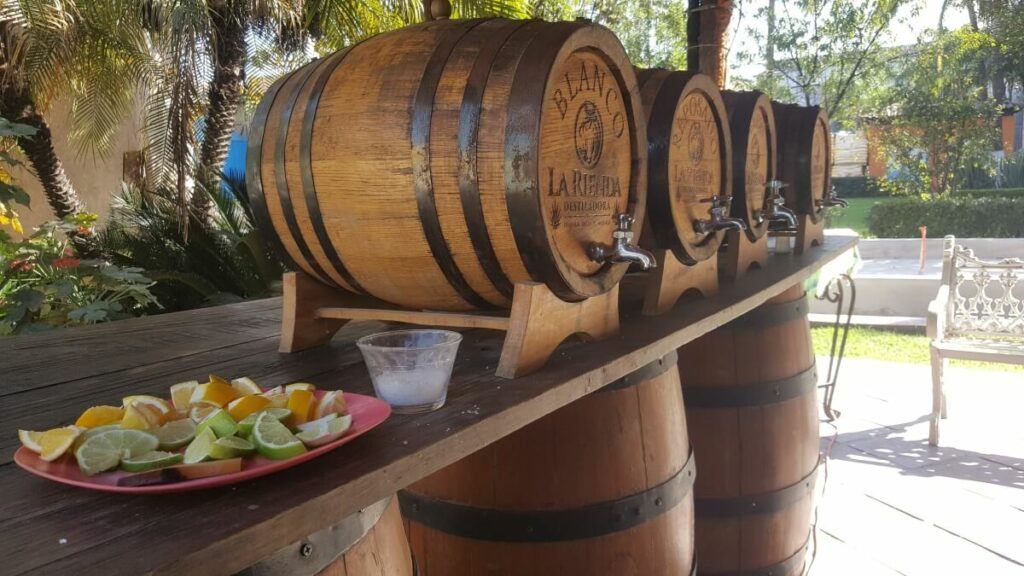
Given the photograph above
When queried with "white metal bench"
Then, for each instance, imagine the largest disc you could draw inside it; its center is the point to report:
(978, 314)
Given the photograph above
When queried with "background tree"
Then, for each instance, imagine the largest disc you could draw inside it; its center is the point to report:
(825, 52)
(941, 122)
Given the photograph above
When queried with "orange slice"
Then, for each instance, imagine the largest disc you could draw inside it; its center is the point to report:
(217, 391)
(332, 402)
(302, 403)
(30, 440)
(54, 443)
(100, 416)
(242, 407)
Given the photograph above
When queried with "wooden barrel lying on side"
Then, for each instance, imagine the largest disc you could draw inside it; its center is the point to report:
(805, 157)
(750, 390)
(689, 160)
(752, 125)
(601, 486)
(437, 165)
(371, 542)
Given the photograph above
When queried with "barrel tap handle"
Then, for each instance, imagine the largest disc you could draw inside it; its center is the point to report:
(831, 200)
(622, 248)
(775, 212)
(719, 217)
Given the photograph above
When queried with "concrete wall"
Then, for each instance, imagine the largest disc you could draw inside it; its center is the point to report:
(909, 248)
(97, 178)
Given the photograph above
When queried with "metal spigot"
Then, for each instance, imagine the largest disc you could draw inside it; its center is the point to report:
(831, 200)
(622, 249)
(775, 212)
(719, 217)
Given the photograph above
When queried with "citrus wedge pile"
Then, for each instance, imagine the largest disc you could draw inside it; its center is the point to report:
(203, 422)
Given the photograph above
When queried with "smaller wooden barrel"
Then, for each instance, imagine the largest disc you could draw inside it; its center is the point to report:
(805, 157)
(369, 543)
(601, 486)
(689, 160)
(752, 126)
(750, 403)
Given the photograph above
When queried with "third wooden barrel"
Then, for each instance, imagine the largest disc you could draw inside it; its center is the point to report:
(437, 165)
(689, 160)
(749, 388)
(805, 157)
(752, 125)
(601, 486)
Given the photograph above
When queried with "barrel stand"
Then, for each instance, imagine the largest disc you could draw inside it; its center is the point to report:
(809, 233)
(739, 254)
(671, 279)
(538, 322)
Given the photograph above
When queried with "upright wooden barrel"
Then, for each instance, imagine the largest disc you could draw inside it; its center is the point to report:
(805, 157)
(689, 160)
(601, 486)
(371, 542)
(437, 165)
(752, 126)
(750, 389)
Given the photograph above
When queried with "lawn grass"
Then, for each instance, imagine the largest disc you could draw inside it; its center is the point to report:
(891, 346)
(855, 215)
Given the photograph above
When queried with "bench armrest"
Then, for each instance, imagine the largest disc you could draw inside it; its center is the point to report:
(936, 327)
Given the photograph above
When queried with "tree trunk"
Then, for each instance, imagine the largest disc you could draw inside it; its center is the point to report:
(707, 34)
(229, 21)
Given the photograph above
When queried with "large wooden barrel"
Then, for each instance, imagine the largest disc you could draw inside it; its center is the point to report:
(437, 165)
(601, 486)
(805, 157)
(750, 389)
(752, 125)
(689, 160)
(371, 542)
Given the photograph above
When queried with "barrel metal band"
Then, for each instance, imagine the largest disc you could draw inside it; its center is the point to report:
(322, 548)
(316, 218)
(752, 395)
(764, 503)
(419, 136)
(783, 568)
(254, 174)
(771, 315)
(281, 175)
(644, 373)
(490, 57)
(589, 521)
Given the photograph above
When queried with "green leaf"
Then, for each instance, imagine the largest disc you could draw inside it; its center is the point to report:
(8, 128)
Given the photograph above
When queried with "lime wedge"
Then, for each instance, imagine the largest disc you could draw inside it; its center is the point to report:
(245, 424)
(220, 422)
(175, 434)
(274, 440)
(230, 447)
(318, 423)
(151, 461)
(89, 433)
(105, 449)
(327, 430)
(199, 449)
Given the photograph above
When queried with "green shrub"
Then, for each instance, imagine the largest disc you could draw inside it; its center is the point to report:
(991, 193)
(962, 216)
(857, 187)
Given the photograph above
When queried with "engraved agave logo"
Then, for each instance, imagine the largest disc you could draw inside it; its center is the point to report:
(556, 216)
(695, 139)
(589, 137)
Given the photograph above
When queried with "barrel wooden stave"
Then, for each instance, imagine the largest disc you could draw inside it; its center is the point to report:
(426, 191)
(753, 452)
(805, 156)
(383, 550)
(604, 447)
(689, 160)
(754, 153)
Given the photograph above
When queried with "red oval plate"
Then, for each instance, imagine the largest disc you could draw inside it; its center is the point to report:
(367, 412)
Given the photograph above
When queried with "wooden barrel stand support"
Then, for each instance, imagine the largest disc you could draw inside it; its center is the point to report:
(371, 542)
(805, 162)
(749, 388)
(601, 486)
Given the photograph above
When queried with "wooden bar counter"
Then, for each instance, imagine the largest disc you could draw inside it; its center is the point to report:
(48, 379)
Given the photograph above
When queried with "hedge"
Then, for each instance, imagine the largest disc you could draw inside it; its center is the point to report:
(991, 193)
(857, 187)
(961, 216)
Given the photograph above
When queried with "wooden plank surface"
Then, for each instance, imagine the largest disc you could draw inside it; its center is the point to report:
(46, 528)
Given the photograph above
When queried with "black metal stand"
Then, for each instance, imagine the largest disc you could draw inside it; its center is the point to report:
(836, 292)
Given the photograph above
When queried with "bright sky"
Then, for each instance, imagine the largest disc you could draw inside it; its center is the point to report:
(905, 31)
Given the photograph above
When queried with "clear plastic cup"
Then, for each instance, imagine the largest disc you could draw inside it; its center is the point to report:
(410, 369)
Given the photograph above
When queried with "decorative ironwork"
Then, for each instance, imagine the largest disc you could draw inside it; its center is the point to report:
(835, 292)
(986, 297)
